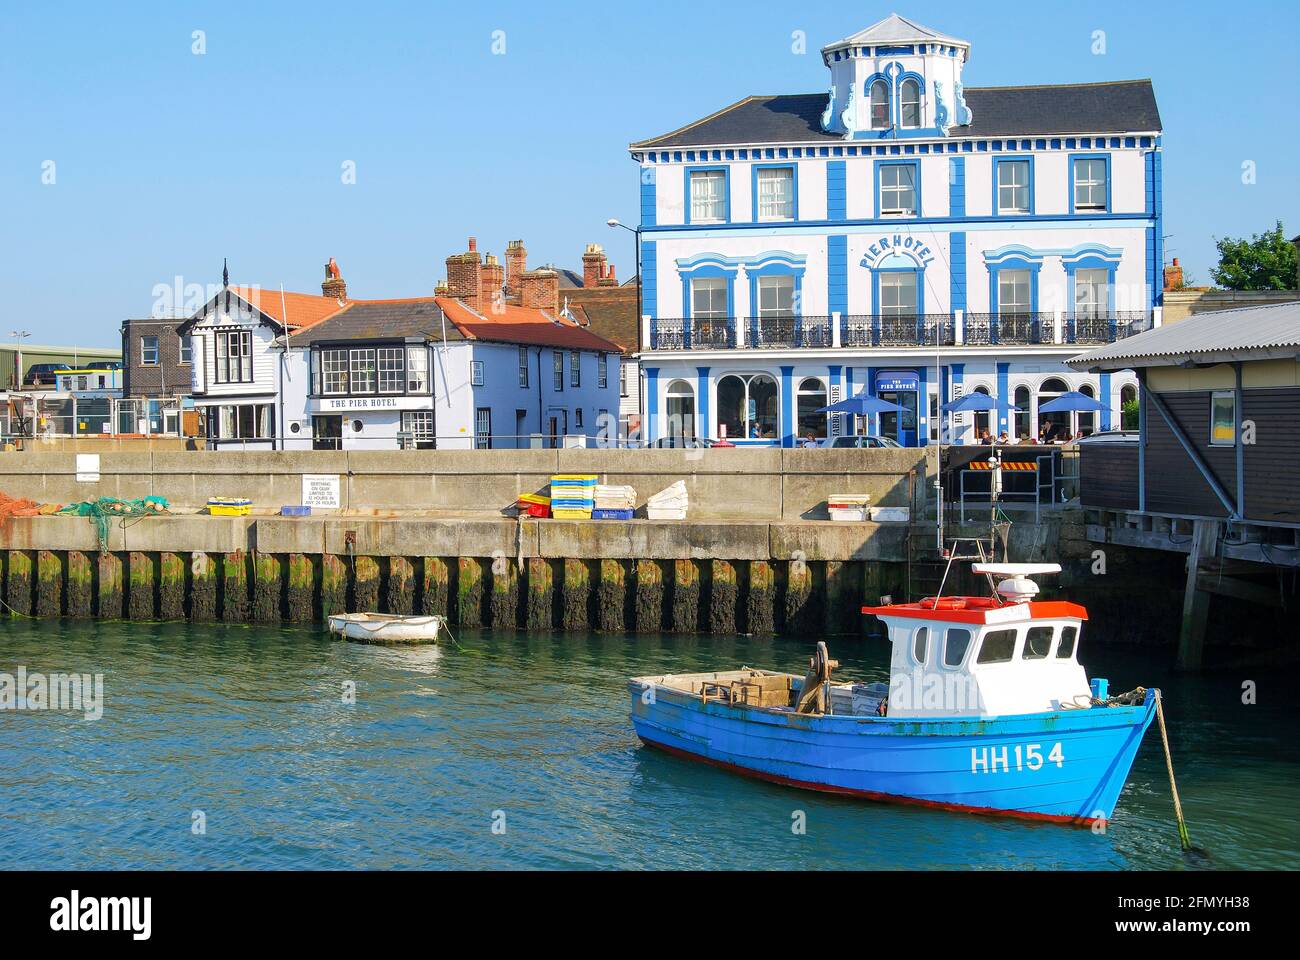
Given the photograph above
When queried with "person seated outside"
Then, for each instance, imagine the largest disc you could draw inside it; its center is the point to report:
(984, 439)
(1003, 438)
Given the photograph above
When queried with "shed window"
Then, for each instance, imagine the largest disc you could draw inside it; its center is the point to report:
(1038, 643)
(1223, 418)
(1068, 637)
(920, 644)
(998, 647)
(956, 643)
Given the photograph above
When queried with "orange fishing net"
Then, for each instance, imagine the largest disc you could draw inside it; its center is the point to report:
(10, 507)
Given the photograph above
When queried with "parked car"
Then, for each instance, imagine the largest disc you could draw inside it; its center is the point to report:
(859, 443)
(1111, 436)
(690, 443)
(42, 374)
(105, 365)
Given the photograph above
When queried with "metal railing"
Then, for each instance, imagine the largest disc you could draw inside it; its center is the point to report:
(895, 330)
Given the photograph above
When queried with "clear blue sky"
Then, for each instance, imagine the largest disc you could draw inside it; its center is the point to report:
(167, 161)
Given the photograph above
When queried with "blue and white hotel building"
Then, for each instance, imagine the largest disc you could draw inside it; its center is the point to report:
(900, 234)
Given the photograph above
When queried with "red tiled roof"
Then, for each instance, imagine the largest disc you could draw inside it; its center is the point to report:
(297, 311)
(524, 325)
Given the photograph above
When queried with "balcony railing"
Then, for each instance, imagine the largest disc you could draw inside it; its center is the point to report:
(894, 330)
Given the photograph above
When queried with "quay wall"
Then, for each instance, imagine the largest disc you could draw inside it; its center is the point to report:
(737, 484)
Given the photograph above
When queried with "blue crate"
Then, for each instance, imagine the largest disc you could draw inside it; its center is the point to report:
(295, 511)
(611, 514)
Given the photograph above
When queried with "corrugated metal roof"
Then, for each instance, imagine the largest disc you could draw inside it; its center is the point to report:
(1247, 333)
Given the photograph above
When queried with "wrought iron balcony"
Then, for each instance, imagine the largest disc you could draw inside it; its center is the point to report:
(893, 330)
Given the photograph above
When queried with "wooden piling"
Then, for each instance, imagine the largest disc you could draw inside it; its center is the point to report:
(234, 587)
(400, 591)
(841, 592)
(503, 605)
(80, 598)
(49, 584)
(365, 585)
(576, 596)
(142, 591)
(300, 596)
(611, 597)
(722, 597)
(686, 596)
(760, 601)
(19, 582)
(799, 609)
(433, 587)
(171, 587)
(268, 588)
(203, 588)
(540, 607)
(333, 586)
(649, 606)
(469, 592)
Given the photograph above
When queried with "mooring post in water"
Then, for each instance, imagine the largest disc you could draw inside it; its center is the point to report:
(203, 588)
(401, 586)
(1183, 837)
(171, 587)
(109, 595)
(686, 596)
(503, 605)
(234, 587)
(267, 588)
(540, 611)
(333, 586)
(140, 590)
(798, 597)
(49, 584)
(1196, 601)
(722, 597)
(365, 585)
(469, 592)
(760, 604)
(611, 597)
(433, 592)
(300, 596)
(81, 582)
(649, 605)
(18, 583)
(576, 595)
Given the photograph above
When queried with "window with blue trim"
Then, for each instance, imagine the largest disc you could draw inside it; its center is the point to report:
(775, 193)
(1091, 176)
(879, 105)
(1092, 293)
(898, 293)
(909, 103)
(1014, 186)
(709, 298)
(898, 189)
(776, 296)
(708, 196)
(1015, 291)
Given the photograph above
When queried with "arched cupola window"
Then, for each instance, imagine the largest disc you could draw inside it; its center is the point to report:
(879, 105)
(909, 101)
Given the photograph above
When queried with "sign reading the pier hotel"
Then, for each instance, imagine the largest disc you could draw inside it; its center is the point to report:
(335, 404)
(321, 491)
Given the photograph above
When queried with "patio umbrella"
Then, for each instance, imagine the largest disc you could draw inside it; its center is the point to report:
(864, 405)
(972, 402)
(1071, 402)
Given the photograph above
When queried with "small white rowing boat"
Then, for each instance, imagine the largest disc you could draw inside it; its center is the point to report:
(386, 628)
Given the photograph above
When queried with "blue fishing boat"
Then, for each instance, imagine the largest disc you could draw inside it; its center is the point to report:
(987, 710)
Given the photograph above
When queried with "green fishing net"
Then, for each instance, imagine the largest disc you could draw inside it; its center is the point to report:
(104, 511)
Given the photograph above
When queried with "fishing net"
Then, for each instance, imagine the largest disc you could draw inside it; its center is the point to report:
(17, 507)
(103, 512)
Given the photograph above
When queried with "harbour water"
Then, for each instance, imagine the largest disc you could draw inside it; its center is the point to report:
(227, 747)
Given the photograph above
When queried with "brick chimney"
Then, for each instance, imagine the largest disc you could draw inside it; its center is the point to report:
(516, 267)
(493, 279)
(540, 289)
(464, 276)
(609, 280)
(333, 285)
(593, 265)
(1174, 276)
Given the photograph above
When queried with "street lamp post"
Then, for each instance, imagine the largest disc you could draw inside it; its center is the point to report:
(640, 277)
(19, 336)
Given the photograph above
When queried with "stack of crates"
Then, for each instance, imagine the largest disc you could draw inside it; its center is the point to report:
(573, 496)
(534, 505)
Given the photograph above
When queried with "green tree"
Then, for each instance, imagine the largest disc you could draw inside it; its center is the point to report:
(1266, 261)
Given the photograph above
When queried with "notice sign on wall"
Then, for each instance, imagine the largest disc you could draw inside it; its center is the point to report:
(321, 491)
(87, 468)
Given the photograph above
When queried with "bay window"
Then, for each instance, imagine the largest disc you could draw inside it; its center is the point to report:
(233, 356)
(361, 371)
(391, 369)
(417, 369)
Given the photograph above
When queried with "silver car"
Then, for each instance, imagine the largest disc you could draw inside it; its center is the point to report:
(858, 443)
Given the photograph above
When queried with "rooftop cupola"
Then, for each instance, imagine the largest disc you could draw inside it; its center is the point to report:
(895, 80)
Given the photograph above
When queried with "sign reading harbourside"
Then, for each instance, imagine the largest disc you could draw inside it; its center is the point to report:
(321, 491)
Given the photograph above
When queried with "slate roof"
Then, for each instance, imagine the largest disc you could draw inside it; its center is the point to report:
(896, 29)
(381, 320)
(1246, 333)
(1125, 106)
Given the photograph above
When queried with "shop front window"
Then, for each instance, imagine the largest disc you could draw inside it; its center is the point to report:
(811, 398)
(681, 409)
(748, 407)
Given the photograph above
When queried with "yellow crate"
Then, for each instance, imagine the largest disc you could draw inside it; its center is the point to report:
(571, 514)
(217, 510)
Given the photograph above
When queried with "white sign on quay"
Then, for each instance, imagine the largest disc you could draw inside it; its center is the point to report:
(321, 491)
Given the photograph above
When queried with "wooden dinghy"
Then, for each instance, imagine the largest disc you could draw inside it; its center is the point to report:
(387, 629)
